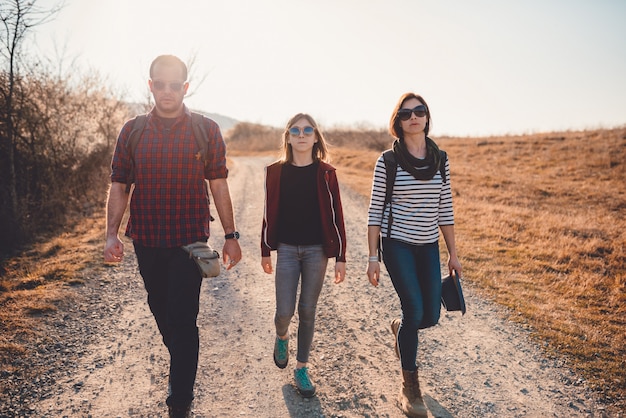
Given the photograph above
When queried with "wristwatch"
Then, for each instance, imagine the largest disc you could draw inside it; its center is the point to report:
(232, 235)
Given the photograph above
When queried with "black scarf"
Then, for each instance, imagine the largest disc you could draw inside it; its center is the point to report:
(420, 169)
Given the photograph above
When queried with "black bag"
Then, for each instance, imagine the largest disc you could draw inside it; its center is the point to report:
(451, 293)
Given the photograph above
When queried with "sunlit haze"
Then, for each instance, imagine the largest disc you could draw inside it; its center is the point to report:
(484, 67)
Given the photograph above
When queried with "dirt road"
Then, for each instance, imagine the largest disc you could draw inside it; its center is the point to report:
(472, 366)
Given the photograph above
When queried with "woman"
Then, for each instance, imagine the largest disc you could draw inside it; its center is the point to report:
(303, 221)
(421, 205)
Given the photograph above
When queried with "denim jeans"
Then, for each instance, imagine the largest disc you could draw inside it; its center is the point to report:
(173, 282)
(294, 264)
(415, 271)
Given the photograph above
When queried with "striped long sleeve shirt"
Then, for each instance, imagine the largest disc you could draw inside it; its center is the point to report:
(419, 206)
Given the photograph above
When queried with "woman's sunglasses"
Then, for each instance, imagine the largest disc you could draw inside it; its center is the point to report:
(405, 114)
(307, 131)
(160, 85)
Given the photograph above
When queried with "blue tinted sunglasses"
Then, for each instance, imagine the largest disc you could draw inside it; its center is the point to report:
(307, 131)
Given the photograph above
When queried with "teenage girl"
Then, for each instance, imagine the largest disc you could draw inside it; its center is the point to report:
(303, 222)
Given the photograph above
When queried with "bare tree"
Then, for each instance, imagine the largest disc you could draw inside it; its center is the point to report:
(17, 19)
(195, 80)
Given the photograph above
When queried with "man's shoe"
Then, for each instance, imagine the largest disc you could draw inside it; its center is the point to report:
(281, 352)
(395, 326)
(303, 382)
(179, 411)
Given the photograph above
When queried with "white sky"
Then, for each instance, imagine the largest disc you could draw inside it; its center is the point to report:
(484, 66)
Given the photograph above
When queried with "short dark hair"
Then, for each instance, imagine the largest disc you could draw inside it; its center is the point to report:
(169, 60)
(395, 129)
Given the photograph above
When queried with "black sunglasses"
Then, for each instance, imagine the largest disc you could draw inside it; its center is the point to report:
(405, 114)
(160, 85)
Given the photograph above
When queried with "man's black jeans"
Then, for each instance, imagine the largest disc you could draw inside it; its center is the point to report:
(173, 282)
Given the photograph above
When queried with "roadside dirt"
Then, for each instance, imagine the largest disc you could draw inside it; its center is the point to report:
(111, 361)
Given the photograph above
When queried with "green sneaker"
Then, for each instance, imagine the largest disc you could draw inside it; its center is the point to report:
(281, 352)
(303, 382)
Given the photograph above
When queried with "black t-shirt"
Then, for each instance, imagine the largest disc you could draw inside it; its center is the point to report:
(299, 214)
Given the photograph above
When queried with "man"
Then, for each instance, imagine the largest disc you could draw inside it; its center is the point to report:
(169, 208)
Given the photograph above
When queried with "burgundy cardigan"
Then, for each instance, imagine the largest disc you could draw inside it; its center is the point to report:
(334, 231)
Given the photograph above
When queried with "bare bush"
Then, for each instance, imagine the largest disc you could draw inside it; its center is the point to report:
(363, 139)
(250, 137)
(63, 140)
(56, 134)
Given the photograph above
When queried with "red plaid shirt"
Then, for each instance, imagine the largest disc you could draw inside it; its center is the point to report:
(169, 206)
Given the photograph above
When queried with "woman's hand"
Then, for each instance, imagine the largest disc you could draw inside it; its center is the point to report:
(373, 272)
(340, 271)
(266, 263)
(455, 264)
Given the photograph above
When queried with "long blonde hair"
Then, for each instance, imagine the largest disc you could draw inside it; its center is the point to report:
(320, 149)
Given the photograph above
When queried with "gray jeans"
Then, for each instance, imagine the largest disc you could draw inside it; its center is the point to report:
(295, 263)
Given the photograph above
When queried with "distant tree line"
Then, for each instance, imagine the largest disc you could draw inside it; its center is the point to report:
(252, 137)
(57, 133)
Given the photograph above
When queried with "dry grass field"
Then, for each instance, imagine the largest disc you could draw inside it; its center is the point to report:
(36, 281)
(540, 223)
(541, 228)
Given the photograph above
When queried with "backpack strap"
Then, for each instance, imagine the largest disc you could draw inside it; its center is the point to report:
(391, 167)
(442, 164)
(201, 136)
(139, 124)
(202, 140)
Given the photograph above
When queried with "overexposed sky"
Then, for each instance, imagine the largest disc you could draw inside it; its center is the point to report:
(484, 66)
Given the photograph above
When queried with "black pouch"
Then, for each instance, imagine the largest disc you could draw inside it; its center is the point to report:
(451, 293)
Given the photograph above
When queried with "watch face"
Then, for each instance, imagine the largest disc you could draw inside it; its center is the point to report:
(236, 234)
(232, 235)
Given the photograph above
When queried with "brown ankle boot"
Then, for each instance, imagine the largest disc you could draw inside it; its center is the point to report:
(410, 398)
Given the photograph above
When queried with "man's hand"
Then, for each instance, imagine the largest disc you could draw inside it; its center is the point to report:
(113, 250)
(231, 253)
